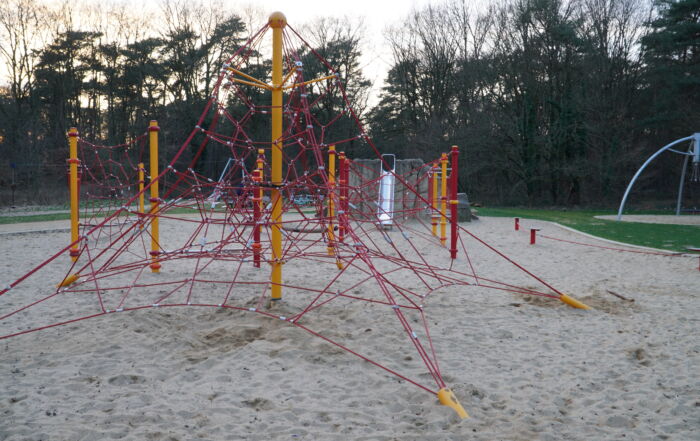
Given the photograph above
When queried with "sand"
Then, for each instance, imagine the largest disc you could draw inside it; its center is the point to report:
(525, 368)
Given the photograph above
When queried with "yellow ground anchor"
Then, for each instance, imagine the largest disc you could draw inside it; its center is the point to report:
(448, 398)
(69, 280)
(573, 302)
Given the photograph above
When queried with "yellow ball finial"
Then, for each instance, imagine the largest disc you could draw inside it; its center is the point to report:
(277, 20)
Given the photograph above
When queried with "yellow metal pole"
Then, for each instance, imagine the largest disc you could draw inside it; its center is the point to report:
(74, 197)
(277, 22)
(443, 198)
(331, 194)
(155, 244)
(141, 197)
(434, 202)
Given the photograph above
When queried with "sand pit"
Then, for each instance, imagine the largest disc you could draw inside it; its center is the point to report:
(524, 367)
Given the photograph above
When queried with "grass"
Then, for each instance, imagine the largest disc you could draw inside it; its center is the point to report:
(63, 215)
(33, 218)
(666, 237)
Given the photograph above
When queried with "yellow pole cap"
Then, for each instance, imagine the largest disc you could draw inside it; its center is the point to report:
(573, 302)
(448, 398)
(277, 20)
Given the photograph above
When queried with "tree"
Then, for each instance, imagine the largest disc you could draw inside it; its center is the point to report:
(540, 94)
(21, 33)
(672, 53)
(61, 75)
(338, 42)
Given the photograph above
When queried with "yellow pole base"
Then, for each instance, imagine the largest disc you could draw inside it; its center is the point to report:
(448, 398)
(573, 302)
(69, 280)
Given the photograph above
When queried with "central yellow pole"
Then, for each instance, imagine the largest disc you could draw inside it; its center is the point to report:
(74, 199)
(277, 22)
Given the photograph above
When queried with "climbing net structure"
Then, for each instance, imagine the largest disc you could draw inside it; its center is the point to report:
(288, 227)
(108, 178)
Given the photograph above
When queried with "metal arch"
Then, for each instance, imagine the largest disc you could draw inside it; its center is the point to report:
(682, 181)
(648, 161)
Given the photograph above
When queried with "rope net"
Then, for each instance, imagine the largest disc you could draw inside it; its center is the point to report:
(215, 227)
(108, 179)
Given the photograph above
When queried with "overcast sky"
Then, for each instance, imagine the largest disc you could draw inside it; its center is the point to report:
(376, 15)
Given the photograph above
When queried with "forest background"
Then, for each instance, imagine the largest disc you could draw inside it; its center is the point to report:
(552, 102)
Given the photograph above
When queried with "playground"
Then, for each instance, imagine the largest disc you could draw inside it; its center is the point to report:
(524, 367)
(300, 293)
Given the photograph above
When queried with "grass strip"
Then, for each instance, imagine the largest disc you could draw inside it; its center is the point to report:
(662, 236)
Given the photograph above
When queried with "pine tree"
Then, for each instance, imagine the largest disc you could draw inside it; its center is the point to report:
(672, 54)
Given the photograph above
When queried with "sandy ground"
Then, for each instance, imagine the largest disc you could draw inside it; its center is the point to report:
(525, 368)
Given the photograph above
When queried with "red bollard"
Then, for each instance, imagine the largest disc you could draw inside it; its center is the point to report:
(517, 223)
(533, 235)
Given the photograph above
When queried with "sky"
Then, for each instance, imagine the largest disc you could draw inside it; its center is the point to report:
(376, 15)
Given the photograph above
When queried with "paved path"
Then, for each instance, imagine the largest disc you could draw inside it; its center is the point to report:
(656, 219)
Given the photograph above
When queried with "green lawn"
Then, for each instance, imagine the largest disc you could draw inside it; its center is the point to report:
(667, 237)
(33, 218)
(66, 215)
